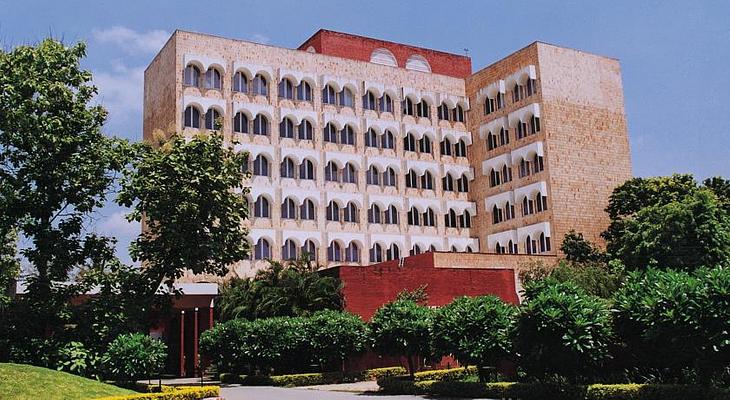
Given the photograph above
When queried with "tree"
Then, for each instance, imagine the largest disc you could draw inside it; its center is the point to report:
(135, 356)
(55, 169)
(577, 248)
(402, 328)
(721, 187)
(189, 195)
(562, 332)
(335, 335)
(475, 330)
(9, 265)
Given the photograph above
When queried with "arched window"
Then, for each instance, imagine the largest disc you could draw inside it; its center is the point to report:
(491, 141)
(331, 172)
(432, 248)
(448, 183)
(384, 57)
(369, 102)
(287, 168)
(411, 179)
(191, 118)
(328, 95)
(489, 106)
(458, 113)
(347, 99)
(351, 213)
(261, 166)
(289, 250)
(385, 103)
(451, 219)
(286, 89)
(286, 128)
(374, 214)
(307, 210)
(423, 109)
(416, 249)
(393, 252)
(240, 123)
(408, 108)
(391, 215)
(531, 86)
(427, 181)
(305, 130)
(460, 148)
(496, 214)
(453, 249)
(512, 247)
(371, 138)
(330, 133)
(261, 125)
(414, 217)
(260, 85)
(443, 112)
(262, 249)
(376, 253)
(534, 124)
(306, 170)
(212, 79)
(349, 174)
(498, 249)
(544, 243)
(516, 93)
(528, 206)
(463, 184)
(333, 212)
(409, 142)
(469, 250)
(373, 176)
(261, 207)
(240, 82)
(465, 220)
(503, 136)
(541, 202)
(538, 163)
(211, 118)
(424, 145)
(388, 140)
(530, 245)
(334, 252)
(446, 147)
(288, 209)
(192, 75)
(429, 218)
(304, 91)
(417, 63)
(352, 252)
(347, 135)
(310, 249)
(506, 173)
(389, 177)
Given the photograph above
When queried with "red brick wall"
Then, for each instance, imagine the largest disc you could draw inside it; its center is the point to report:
(367, 288)
(359, 48)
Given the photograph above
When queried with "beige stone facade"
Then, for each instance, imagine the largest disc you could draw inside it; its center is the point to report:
(581, 140)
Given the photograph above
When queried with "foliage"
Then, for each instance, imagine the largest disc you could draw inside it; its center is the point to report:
(26, 382)
(451, 374)
(669, 222)
(291, 288)
(177, 393)
(578, 249)
(186, 191)
(673, 321)
(562, 331)
(402, 328)
(418, 295)
(134, 356)
(721, 188)
(596, 278)
(334, 335)
(9, 264)
(310, 379)
(475, 330)
(75, 358)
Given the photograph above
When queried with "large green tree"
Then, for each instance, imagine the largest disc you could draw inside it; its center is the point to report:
(190, 194)
(56, 167)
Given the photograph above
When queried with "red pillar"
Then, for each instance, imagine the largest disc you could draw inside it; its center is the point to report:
(195, 343)
(210, 315)
(182, 343)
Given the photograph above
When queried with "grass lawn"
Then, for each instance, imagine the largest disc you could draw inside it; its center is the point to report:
(26, 382)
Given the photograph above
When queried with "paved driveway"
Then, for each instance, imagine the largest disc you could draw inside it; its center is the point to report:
(235, 392)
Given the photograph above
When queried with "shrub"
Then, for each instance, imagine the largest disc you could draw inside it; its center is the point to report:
(452, 374)
(178, 393)
(75, 358)
(334, 335)
(134, 356)
(562, 331)
(475, 330)
(401, 328)
(676, 321)
(223, 345)
(377, 373)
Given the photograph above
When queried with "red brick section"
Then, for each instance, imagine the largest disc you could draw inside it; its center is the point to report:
(357, 47)
(367, 288)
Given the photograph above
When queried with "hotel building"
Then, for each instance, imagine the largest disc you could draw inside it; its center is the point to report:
(364, 150)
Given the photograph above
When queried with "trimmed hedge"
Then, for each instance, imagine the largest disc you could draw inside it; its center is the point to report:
(538, 391)
(178, 393)
(451, 374)
(311, 379)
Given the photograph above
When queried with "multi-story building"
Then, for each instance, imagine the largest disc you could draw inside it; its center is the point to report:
(363, 150)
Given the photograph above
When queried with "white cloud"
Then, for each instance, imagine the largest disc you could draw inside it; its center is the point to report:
(117, 226)
(121, 93)
(131, 41)
(259, 38)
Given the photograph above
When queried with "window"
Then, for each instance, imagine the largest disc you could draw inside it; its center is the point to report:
(371, 138)
(408, 107)
(497, 215)
(429, 219)
(506, 174)
(373, 176)
(307, 210)
(374, 214)
(305, 130)
(351, 213)
(352, 252)
(544, 243)
(212, 79)
(286, 89)
(310, 249)
(330, 133)
(347, 135)
(385, 103)
(463, 184)
(391, 215)
(409, 142)
(534, 125)
(415, 250)
(191, 75)
(191, 119)
(289, 250)
(499, 249)
(446, 147)
(334, 252)
(460, 148)
(349, 174)
(260, 85)
(376, 253)
(489, 106)
(328, 95)
(393, 252)
(538, 163)
(517, 93)
(306, 170)
(304, 91)
(414, 217)
(261, 207)
(530, 245)
(262, 249)
(541, 202)
(423, 109)
(443, 112)
(492, 141)
(333, 212)
(389, 177)
(261, 125)
(528, 206)
(287, 168)
(531, 86)
(424, 145)
(411, 179)
(331, 172)
(465, 220)
(286, 128)
(211, 119)
(369, 102)
(448, 183)
(347, 99)
(512, 247)
(450, 219)
(427, 181)
(288, 209)
(494, 178)
(240, 82)
(458, 113)
(388, 140)
(261, 166)
(240, 123)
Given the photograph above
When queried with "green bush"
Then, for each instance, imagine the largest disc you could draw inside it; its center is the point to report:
(75, 358)
(178, 393)
(377, 373)
(562, 331)
(134, 356)
(451, 374)
(334, 335)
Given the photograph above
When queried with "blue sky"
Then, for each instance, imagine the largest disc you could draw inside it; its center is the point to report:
(675, 55)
